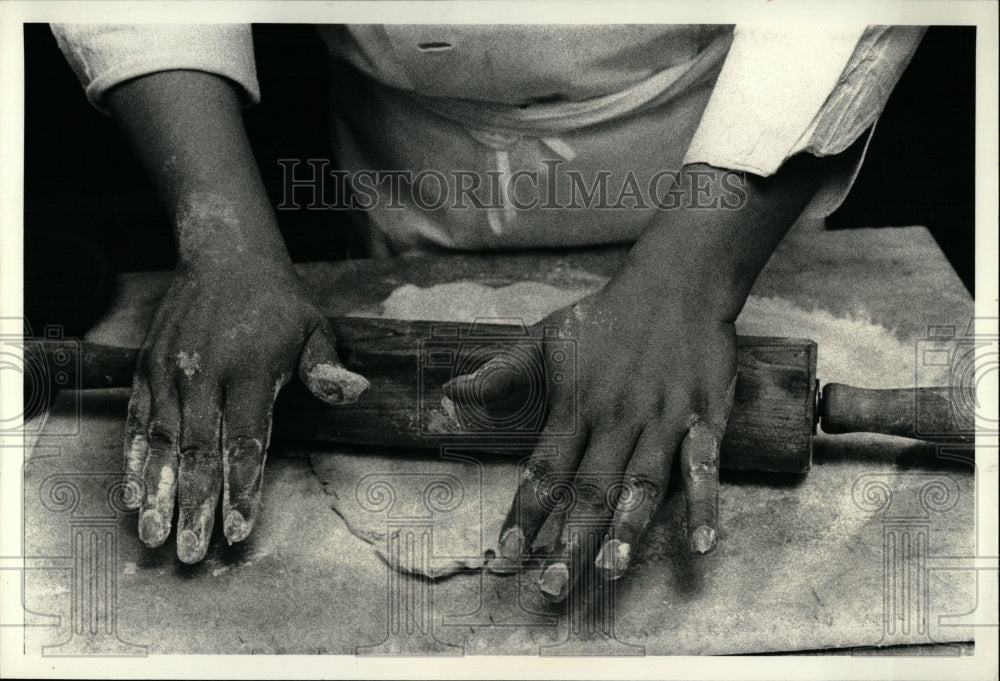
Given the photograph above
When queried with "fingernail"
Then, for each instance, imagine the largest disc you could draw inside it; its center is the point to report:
(151, 528)
(613, 559)
(335, 384)
(554, 582)
(448, 407)
(236, 528)
(512, 550)
(190, 548)
(702, 539)
(513, 545)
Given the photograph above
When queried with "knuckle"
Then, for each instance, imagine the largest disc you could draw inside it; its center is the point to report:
(553, 492)
(156, 358)
(642, 482)
(198, 450)
(539, 468)
(700, 448)
(551, 498)
(135, 446)
(626, 410)
(698, 471)
(135, 414)
(700, 460)
(161, 435)
(196, 494)
(243, 446)
(138, 399)
(619, 410)
(590, 500)
(637, 490)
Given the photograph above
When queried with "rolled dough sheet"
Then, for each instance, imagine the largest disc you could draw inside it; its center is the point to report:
(425, 514)
(379, 496)
(526, 302)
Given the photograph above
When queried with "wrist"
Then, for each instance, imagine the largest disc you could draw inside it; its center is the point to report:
(701, 284)
(220, 234)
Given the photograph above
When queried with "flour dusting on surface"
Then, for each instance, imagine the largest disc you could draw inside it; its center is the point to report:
(852, 350)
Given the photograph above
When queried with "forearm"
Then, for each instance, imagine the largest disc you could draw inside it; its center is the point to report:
(714, 254)
(187, 128)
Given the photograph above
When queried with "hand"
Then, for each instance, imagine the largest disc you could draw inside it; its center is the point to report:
(221, 346)
(232, 328)
(655, 376)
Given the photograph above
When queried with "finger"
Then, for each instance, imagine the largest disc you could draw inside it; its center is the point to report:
(159, 472)
(643, 488)
(200, 474)
(599, 476)
(496, 381)
(539, 494)
(320, 369)
(700, 471)
(247, 428)
(136, 440)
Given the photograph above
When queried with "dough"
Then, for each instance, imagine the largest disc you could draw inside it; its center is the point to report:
(439, 514)
(427, 514)
(526, 302)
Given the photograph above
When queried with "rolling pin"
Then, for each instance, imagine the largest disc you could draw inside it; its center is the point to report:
(776, 409)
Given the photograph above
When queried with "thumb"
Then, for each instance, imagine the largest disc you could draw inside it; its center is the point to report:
(489, 385)
(321, 371)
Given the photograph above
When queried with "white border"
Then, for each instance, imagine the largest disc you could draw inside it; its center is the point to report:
(13, 661)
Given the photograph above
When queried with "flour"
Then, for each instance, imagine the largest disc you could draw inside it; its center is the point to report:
(852, 350)
(189, 363)
(335, 384)
(526, 302)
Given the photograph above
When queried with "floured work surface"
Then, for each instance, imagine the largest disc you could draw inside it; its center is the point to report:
(801, 563)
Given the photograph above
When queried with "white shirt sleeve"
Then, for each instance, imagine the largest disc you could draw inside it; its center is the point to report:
(104, 55)
(813, 90)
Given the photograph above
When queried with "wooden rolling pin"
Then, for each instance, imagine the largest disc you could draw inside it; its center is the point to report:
(776, 408)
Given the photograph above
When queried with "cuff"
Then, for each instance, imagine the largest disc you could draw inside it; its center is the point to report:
(768, 95)
(105, 55)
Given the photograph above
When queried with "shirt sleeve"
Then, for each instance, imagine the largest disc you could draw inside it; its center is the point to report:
(104, 55)
(812, 90)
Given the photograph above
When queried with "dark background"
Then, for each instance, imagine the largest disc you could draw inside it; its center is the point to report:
(90, 212)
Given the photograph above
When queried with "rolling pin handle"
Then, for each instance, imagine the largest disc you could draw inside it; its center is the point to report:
(919, 413)
(75, 364)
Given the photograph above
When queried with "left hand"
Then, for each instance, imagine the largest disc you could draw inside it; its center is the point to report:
(655, 372)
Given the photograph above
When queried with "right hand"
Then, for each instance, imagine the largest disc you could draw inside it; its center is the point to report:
(222, 344)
